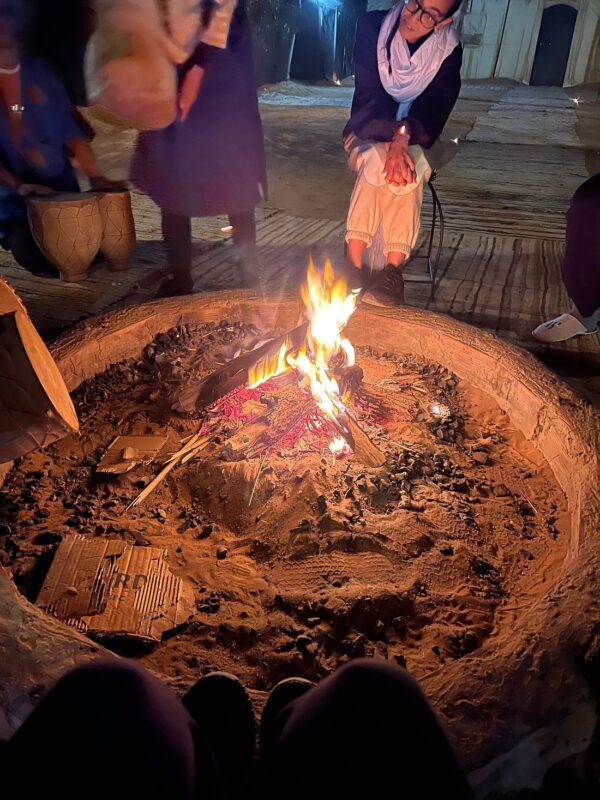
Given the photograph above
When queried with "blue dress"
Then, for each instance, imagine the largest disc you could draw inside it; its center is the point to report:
(214, 162)
(49, 123)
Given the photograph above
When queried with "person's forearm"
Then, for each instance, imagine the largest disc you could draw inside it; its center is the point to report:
(9, 180)
(83, 154)
(378, 129)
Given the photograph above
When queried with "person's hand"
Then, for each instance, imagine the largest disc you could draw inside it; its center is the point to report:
(399, 167)
(27, 189)
(189, 91)
(101, 184)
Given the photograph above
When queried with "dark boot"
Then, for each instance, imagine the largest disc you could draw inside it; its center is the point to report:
(387, 288)
(177, 233)
(222, 709)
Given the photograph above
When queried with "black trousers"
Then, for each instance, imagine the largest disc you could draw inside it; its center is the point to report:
(111, 730)
(581, 264)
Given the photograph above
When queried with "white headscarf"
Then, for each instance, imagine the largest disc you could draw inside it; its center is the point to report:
(403, 76)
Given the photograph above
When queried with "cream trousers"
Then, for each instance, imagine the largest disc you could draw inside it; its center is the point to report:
(372, 206)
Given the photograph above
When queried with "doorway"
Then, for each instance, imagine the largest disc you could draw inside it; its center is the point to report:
(554, 46)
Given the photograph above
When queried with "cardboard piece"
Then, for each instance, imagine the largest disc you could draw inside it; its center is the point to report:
(107, 588)
(126, 452)
(35, 407)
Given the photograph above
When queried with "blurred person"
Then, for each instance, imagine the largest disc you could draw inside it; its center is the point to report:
(211, 160)
(580, 268)
(40, 134)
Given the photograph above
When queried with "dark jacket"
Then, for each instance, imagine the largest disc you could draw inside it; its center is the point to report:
(214, 162)
(373, 114)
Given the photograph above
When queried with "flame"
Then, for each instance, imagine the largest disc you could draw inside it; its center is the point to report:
(339, 446)
(329, 305)
(269, 367)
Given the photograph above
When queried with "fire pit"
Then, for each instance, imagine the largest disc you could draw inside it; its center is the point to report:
(442, 517)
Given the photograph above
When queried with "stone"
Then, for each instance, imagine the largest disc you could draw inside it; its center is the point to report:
(222, 552)
(501, 490)
(303, 641)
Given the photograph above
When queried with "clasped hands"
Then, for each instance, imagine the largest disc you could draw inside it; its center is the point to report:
(399, 167)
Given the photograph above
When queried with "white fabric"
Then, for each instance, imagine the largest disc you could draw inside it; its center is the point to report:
(132, 56)
(561, 328)
(367, 159)
(405, 77)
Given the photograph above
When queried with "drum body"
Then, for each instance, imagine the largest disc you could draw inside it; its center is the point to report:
(118, 228)
(68, 230)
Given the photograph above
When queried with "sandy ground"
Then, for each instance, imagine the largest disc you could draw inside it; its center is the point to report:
(416, 561)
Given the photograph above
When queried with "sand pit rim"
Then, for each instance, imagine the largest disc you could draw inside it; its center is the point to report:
(555, 628)
(563, 427)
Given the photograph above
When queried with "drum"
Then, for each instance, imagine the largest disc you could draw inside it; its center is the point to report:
(68, 231)
(118, 227)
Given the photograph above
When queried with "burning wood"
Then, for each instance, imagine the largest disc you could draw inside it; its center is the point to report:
(316, 351)
(322, 371)
(237, 372)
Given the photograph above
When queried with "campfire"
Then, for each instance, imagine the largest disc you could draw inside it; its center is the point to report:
(329, 305)
(306, 376)
(303, 499)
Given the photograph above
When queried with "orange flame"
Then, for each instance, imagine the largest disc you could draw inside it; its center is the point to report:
(269, 367)
(329, 305)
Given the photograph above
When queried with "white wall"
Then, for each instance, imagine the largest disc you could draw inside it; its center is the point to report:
(518, 23)
(500, 37)
(586, 31)
(482, 22)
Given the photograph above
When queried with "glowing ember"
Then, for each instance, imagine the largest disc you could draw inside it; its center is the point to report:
(339, 446)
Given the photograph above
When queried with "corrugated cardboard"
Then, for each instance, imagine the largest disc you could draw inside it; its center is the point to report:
(126, 452)
(108, 588)
(35, 407)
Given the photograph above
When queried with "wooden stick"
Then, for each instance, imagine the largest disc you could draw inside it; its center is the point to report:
(170, 464)
(258, 474)
(364, 449)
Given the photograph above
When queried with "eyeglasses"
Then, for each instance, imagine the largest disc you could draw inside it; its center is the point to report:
(427, 21)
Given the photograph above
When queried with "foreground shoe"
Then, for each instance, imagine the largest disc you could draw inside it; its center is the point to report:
(357, 278)
(387, 288)
(223, 711)
(561, 328)
(281, 695)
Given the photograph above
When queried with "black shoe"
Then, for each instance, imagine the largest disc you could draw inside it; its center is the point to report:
(223, 711)
(280, 696)
(357, 278)
(175, 286)
(387, 288)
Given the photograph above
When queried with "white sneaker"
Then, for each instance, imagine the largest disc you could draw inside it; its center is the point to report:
(561, 328)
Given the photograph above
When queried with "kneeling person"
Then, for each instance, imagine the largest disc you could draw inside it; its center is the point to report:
(407, 71)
